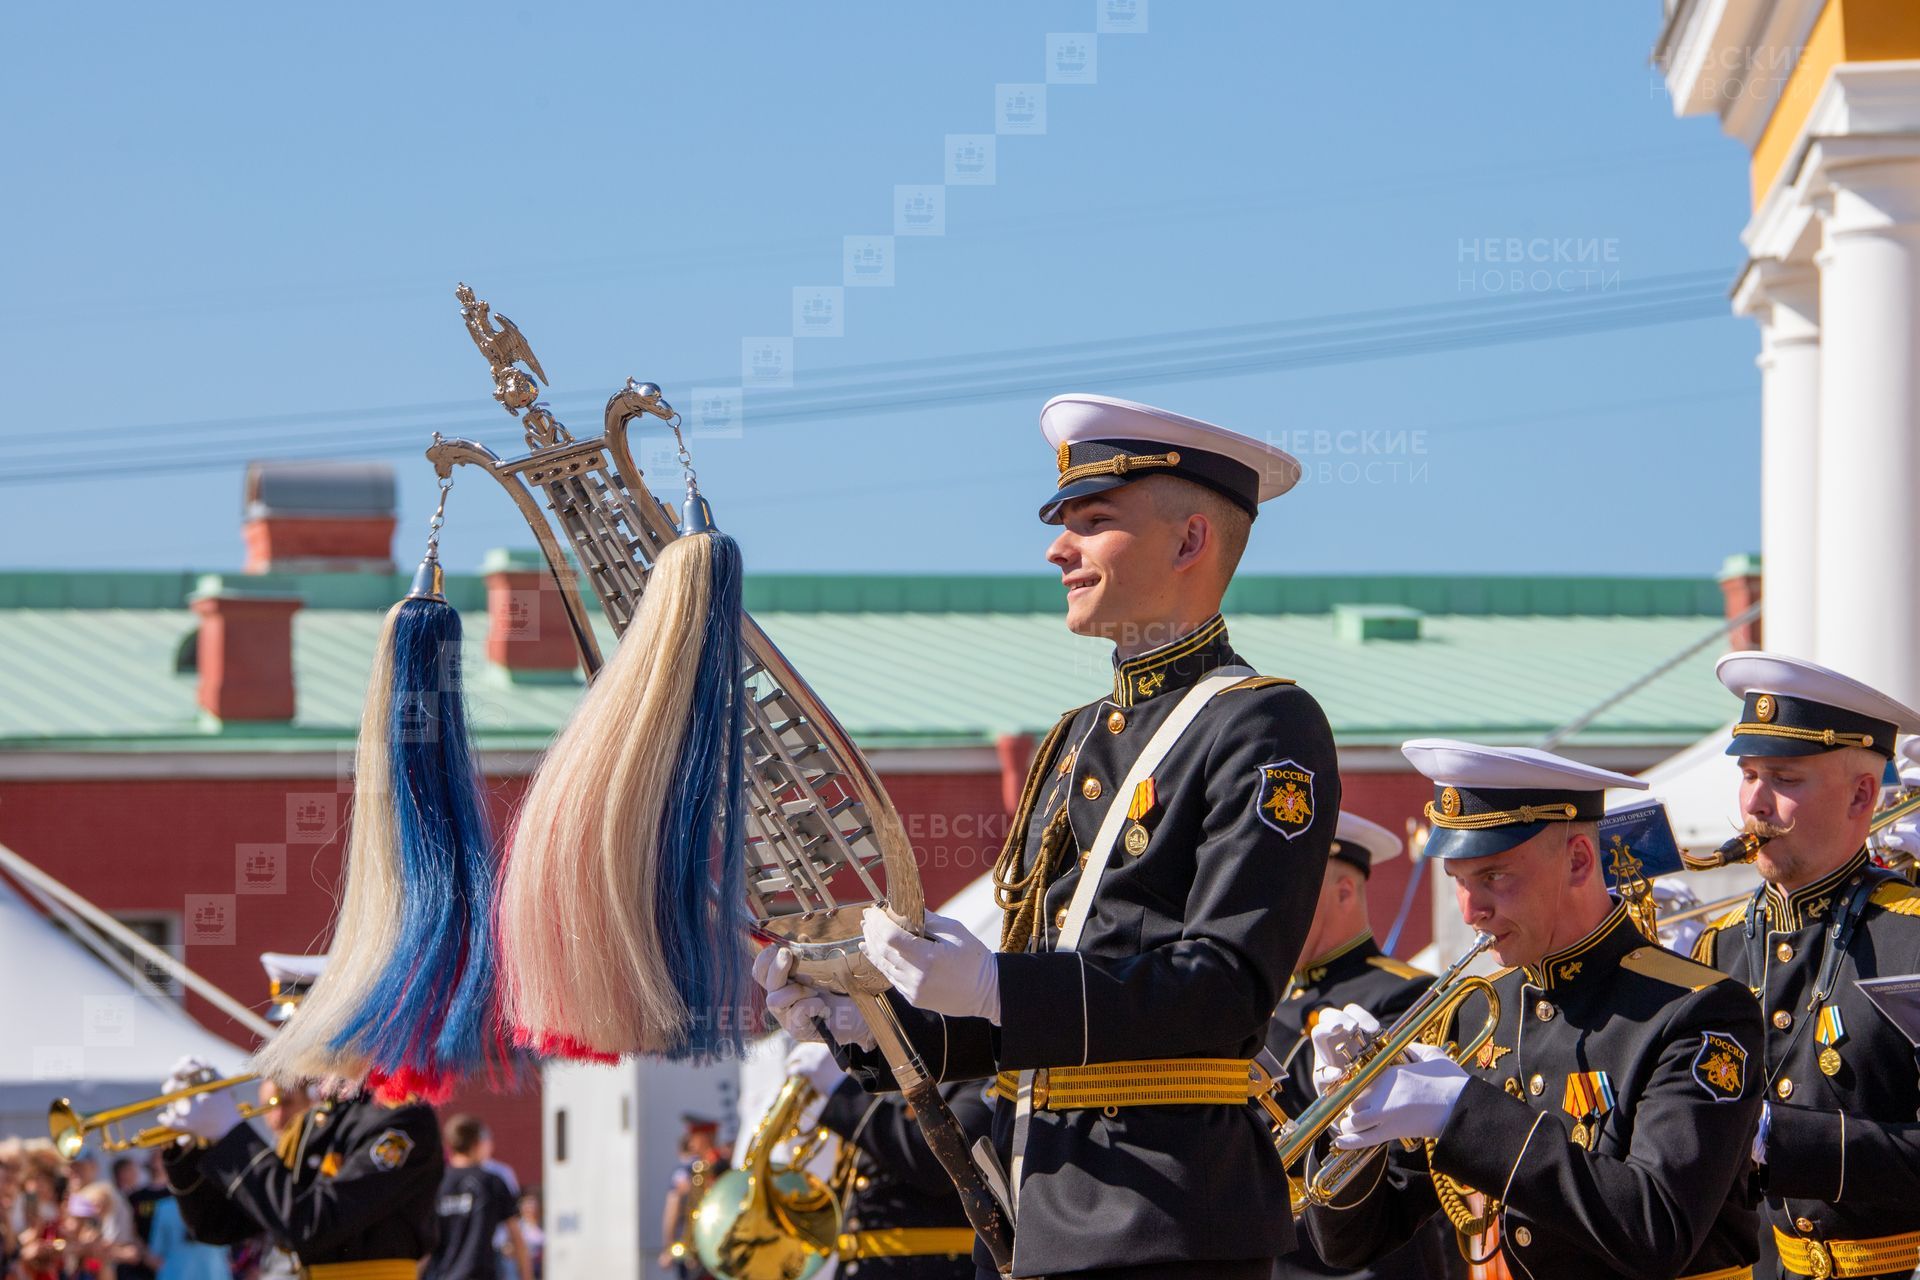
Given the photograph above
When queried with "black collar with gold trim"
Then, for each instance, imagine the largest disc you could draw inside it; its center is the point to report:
(1179, 665)
(1351, 954)
(1812, 904)
(1591, 958)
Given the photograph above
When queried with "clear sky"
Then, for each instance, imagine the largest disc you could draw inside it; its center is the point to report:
(235, 229)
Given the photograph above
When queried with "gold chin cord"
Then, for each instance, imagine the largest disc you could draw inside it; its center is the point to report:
(824, 841)
(69, 1129)
(1426, 1022)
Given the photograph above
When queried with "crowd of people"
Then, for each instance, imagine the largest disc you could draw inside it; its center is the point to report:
(74, 1220)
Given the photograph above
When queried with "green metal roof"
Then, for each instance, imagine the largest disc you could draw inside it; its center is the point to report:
(88, 660)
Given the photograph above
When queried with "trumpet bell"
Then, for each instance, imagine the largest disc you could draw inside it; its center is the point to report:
(66, 1127)
(788, 1236)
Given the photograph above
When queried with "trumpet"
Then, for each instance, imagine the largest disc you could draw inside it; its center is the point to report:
(1746, 846)
(69, 1128)
(1424, 1021)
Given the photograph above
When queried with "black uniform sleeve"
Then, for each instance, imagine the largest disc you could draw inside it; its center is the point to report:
(886, 1130)
(1645, 1215)
(1254, 891)
(372, 1179)
(1829, 1147)
(204, 1206)
(951, 1048)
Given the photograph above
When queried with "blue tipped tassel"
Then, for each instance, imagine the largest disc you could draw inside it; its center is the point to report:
(426, 1019)
(695, 912)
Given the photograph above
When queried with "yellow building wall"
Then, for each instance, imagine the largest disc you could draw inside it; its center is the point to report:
(1845, 31)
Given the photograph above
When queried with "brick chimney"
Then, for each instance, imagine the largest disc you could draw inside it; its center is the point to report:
(244, 648)
(319, 517)
(1740, 587)
(527, 631)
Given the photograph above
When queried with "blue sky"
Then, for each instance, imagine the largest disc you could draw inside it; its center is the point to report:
(249, 219)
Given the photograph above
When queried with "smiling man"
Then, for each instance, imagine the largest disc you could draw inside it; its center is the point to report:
(1839, 1148)
(1608, 1118)
(1157, 882)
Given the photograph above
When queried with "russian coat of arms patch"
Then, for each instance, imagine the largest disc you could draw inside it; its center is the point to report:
(1284, 797)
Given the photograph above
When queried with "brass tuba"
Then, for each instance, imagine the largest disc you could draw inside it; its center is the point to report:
(764, 1221)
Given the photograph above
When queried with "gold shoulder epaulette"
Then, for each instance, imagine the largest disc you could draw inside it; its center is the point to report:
(1397, 968)
(1736, 916)
(1663, 966)
(1898, 897)
(1257, 682)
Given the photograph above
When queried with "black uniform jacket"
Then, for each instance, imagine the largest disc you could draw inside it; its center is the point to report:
(1843, 1150)
(1356, 972)
(1653, 1195)
(896, 1180)
(357, 1182)
(1183, 956)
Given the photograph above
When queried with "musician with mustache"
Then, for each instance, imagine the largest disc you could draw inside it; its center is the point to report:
(1838, 1146)
(1158, 881)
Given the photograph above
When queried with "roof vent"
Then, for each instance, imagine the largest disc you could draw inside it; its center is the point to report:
(1355, 623)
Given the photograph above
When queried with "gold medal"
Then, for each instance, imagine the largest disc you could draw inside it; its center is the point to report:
(1135, 841)
(1830, 1060)
(1581, 1136)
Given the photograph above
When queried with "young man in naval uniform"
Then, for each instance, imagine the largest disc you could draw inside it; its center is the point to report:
(1838, 1146)
(1341, 965)
(1610, 1116)
(351, 1187)
(1158, 881)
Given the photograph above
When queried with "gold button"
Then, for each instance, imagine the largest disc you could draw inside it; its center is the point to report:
(1803, 1225)
(1115, 722)
(1782, 1019)
(1536, 1086)
(1060, 918)
(1512, 1085)
(1090, 787)
(1784, 1088)
(1083, 856)
(862, 1182)
(1522, 1237)
(1783, 952)
(1544, 1011)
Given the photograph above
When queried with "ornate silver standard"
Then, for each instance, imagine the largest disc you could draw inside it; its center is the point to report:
(819, 823)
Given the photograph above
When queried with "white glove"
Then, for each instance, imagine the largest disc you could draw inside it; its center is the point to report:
(1411, 1100)
(1338, 1034)
(189, 1070)
(815, 1062)
(1903, 836)
(207, 1116)
(949, 972)
(795, 1006)
(1760, 1133)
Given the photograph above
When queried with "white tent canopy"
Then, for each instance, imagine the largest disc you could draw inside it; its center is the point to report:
(71, 1026)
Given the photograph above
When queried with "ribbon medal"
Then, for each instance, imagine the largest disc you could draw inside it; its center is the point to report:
(1588, 1098)
(1830, 1031)
(1144, 798)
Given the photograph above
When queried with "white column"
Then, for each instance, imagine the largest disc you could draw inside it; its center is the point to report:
(1868, 483)
(1785, 299)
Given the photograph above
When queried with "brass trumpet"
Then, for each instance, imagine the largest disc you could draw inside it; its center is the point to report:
(1424, 1021)
(1746, 846)
(69, 1129)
